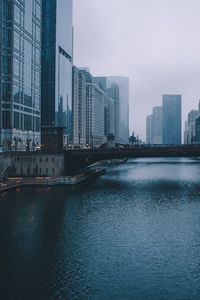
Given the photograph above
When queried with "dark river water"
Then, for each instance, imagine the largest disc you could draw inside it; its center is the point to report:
(133, 233)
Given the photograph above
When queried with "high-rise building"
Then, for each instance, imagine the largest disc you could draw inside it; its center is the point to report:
(149, 125)
(123, 84)
(197, 131)
(113, 92)
(186, 133)
(157, 125)
(94, 111)
(154, 126)
(57, 52)
(122, 103)
(20, 88)
(79, 107)
(109, 116)
(192, 116)
(171, 123)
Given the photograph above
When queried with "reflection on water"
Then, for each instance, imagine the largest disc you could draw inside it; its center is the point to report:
(134, 233)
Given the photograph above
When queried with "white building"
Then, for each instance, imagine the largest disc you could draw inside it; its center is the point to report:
(94, 111)
(79, 107)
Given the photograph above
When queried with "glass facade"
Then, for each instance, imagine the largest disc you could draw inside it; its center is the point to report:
(57, 65)
(123, 84)
(20, 92)
(171, 122)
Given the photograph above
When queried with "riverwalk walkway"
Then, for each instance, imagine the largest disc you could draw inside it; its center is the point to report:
(13, 183)
(16, 182)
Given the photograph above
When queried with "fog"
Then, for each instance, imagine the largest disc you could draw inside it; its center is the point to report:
(156, 43)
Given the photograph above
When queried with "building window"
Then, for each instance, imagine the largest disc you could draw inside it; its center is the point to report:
(6, 120)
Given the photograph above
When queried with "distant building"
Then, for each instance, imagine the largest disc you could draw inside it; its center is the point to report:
(197, 131)
(122, 108)
(20, 87)
(192, 116)
(149, 123)
(154, 126)
(123, 84)
(113, 92)
(79, 107)
(157, 125)
(57, 59)
(186, 133)
(94, 111)
(109, 116)
(171, 123)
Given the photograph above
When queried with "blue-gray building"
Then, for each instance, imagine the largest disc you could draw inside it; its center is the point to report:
(20, 64)
(149, 129)
(171, 121)
(123, 84)
(56, 80)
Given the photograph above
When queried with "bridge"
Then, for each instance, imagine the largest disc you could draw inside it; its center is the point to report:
(78, 159)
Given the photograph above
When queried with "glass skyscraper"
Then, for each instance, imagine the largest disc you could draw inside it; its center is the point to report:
(171, 122)
(20, 89)
(57, 48)
(123, 84)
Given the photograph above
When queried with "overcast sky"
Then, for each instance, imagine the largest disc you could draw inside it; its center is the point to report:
(156, 43)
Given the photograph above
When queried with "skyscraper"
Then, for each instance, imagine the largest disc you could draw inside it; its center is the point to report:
(123, 84)
(171, 125)
(20, 89)
(149, 125)
(120, 91)
(79, 107)
(94, 110)
(113, 92)
(154, 126)
(192, 116)
(197, 131)
(157, 125)
(57, 48)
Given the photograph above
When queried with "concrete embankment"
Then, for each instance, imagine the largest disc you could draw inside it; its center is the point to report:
(16, 182)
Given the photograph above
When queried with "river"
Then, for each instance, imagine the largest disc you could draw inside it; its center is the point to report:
(133, 233)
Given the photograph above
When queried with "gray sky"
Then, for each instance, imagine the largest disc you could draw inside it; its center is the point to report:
(156, 43)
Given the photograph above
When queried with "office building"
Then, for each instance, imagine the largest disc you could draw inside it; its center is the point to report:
(109, 116)
(157, 125)
(186, 133)
(56, 80)
(113, 93)
(123, 84)
(192, 116)
(20, 87)
(122, 108)
(197, 131)
(94, 111)
(149, 123)
(171, 122)
(79, 107)
(154, 126)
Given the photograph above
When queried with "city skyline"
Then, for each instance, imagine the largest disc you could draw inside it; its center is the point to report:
(154, 44)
